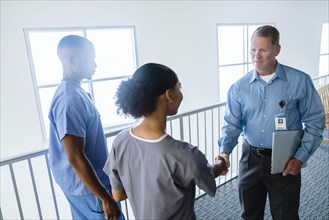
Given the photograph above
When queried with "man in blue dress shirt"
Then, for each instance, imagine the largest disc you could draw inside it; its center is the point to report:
(253, 103)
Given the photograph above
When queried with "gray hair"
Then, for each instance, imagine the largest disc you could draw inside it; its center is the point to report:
(268, 31)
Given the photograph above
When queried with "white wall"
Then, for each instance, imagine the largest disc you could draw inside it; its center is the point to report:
(180, 34)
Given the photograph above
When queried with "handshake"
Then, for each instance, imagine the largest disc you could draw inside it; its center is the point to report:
(219, 167)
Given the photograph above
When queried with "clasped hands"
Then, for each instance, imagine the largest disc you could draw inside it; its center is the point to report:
(220, 167)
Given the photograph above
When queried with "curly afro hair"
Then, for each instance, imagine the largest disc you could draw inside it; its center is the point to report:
(138, 95)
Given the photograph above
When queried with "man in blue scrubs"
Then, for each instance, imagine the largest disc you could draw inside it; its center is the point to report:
(77, 145)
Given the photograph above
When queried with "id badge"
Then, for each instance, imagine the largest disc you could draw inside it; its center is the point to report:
(280, 122)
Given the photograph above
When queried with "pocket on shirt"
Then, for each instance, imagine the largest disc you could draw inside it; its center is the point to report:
(292, 114)
(292, 105)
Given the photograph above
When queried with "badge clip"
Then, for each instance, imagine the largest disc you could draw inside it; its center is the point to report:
(281, 119)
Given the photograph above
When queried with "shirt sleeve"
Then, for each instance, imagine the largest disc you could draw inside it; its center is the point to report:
(71, 117)
(203, 175)
(111, 170)
(313, 117)
(232, 122)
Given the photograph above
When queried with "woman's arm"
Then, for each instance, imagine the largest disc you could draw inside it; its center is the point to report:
(119, 195)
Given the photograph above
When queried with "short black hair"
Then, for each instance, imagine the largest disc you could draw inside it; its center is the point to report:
(138, 95)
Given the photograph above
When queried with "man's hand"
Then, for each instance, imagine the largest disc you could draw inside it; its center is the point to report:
(226, 158)
(293, 168)
(111, 209)
(220, 165)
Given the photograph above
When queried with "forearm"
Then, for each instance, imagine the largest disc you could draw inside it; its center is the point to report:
(74, 147)
(230, 135)
(88, 176)
(119, 195)
(311, 140)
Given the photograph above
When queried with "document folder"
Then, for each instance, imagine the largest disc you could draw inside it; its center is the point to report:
(284, 146)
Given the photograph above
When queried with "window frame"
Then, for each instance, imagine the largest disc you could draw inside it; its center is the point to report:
(247, 64)
(88, 83)
(325, 54)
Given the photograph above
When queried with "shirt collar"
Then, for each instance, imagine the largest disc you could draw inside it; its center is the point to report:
(279, 73)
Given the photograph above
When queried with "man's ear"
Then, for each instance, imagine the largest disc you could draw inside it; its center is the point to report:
(73, 60)
(278, 49)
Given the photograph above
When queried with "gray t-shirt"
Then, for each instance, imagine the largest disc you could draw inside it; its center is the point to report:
(159, 176)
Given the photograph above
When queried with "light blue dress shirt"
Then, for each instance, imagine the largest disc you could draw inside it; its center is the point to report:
(253, 104)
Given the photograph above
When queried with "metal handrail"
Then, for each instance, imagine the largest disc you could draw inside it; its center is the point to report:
(320, 81)
(176, 125)
(179, 126)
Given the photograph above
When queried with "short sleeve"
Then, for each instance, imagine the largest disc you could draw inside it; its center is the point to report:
(72, 117)
(203, 174)
(111, 170)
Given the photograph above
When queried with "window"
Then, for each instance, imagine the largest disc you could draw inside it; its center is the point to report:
(115, 59)
(233, 54)
(324, 51)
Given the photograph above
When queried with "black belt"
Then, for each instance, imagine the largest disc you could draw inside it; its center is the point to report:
(259, 151)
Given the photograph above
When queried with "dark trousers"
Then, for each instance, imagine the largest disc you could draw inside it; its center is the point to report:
(256, 182)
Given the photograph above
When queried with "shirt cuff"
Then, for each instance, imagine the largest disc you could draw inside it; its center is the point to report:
(302, 155)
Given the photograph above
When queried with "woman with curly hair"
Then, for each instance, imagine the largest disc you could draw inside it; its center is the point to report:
(157, 173)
